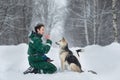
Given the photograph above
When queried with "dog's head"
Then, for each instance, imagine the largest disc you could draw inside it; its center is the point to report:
(62, 43)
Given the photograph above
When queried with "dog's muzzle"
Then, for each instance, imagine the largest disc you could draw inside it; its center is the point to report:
(56, 43)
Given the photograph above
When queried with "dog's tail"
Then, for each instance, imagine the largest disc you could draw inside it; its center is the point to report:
(79, 50)
(93, 72)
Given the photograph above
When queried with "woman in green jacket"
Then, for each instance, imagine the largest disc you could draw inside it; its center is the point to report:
(38, 61)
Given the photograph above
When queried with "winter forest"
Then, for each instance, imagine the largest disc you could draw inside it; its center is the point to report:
(81, 22)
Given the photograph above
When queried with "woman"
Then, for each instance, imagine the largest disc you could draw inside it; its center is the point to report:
(38, 61)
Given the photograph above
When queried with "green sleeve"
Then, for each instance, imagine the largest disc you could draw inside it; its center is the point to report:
(49, 42)
(40, 47)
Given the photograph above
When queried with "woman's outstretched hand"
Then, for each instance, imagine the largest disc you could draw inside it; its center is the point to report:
(47, 36)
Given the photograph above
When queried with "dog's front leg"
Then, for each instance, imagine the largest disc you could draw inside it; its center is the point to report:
(62, 65)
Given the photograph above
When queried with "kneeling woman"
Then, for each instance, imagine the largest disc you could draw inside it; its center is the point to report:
(38, 61)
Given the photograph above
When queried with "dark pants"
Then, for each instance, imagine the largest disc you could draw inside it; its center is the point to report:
(45, 57)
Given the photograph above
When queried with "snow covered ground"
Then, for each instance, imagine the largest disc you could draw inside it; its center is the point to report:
(103, 60)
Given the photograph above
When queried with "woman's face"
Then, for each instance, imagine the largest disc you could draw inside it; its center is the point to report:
(41, 30)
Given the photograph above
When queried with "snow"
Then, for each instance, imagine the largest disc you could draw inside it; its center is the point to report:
(103, 60)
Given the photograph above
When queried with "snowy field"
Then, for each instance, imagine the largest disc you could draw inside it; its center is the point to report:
(103, 60)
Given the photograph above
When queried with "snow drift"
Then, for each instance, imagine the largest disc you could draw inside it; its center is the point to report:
(103, 60)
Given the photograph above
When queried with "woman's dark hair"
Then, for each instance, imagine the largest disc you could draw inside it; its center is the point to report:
(38, 26)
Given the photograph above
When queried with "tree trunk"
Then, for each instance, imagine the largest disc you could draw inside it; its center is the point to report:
(94, 21)
(85, 23)
(114, 20)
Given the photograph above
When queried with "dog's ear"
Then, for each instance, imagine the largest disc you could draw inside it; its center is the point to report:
(63, 39)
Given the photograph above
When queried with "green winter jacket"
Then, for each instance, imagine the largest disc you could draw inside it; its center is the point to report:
(36, 50)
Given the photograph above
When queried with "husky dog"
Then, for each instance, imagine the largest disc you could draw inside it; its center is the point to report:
(68, 60)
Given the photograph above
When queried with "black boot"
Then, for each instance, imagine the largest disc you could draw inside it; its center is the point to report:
(29, 70)
(35, 71)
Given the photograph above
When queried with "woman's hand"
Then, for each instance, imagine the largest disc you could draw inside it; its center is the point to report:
(47, 36)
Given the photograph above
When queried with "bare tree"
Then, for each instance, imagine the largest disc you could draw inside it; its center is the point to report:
(101, 20)
(114, 20)
(96, 16)
(85, 22)
(95, 3)
(48, 13)
(55, 16)
(14, 21)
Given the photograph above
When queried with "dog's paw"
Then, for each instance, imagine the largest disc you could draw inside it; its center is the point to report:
(60, 70)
